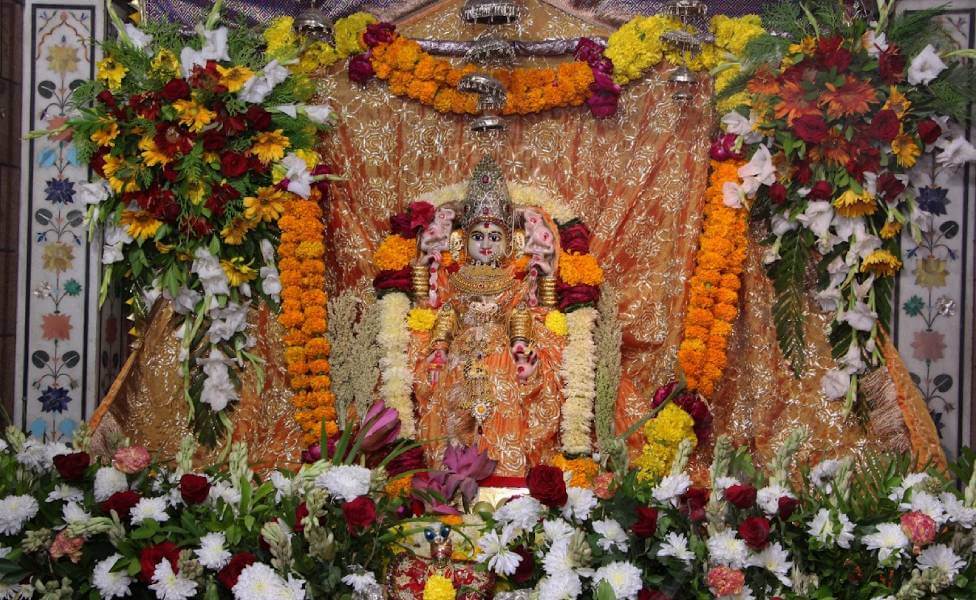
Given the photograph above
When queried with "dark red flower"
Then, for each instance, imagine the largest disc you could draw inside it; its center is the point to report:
(219, 197)
(546, 484)
(723, 147)
(575, 238)
(121, 503)
(802, 173)
(147, 105)
(196, 226)
(214, 140)
(646, 594)
(150, 556)
(810, 128)
(661, 394)
(378, 33)
(257, 117)
(646, 523)
(741, 495)
(312, 454)
(359, 513)
(693, 503)
(526, 566)
(588, 51)
(229, 574)
(777, 193)
(785, 506)
(106, 98)
(393, 280)
(72, 466)
(821, 190)
(360, 68)
(161, 202)
(300, 513)
(233, 124)
(891, 65)
(604, 95)
(411, 460)
(207, 78)
(572, 295)
(884, 126)
(175, 89)
(755, 532)
(233, 164)
(194, 488)
(172, 139)
(890, 186)
(832, 55)
(929, 130)
(170, 173)
(97, 162)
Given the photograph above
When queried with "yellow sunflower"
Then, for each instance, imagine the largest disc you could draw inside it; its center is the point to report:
(151, 154)
(119, 175)
(269, 146)
(905, 148)
(193, 114)
(105, 136)
(234, 78)
(890, 230)
(141, 225)
(237, 272)
(897, 102)
(266, 206)
(164, 64)
(111, 72)
(881, 263)
(234, 232)
(851, 204)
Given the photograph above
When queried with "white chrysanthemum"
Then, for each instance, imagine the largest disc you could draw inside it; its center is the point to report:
(927, 504)
(822, 474)
(776, 560)
(888, 540)
(521, 513)
(109, 480)
(556, 530)
(72, 513)
(580, 502)
(559, 559)
(65, 492)
(828, 531)
(15, 511)
(213, 553)
(361, 583)
(565, 585)
(671, 487)
(768, 498)
(611, 535)
(676, 546)
(346, 482)
(958, 512)
(940, 556)
(111, 584)
(623, 577)
(259, 582)
(39, 456)
(221, 490)
(909, 482)
(294, 589)
(493, 549)
(170, 586)
(724, 548)
(149, 508)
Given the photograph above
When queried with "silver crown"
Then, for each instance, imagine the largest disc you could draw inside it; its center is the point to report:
(490, 51)
(491, 92)
(487, 197)
(490, 12)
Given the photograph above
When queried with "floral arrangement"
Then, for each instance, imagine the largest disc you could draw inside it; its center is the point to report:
(198, 142)
(396, 378)
(577, 373)
(713, 288)
(841, 111)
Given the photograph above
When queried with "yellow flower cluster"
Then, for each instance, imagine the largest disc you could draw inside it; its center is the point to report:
(348, 36)
(556, 322)
(281, 39)
(662, 435)
(421, 319)
(394, 253)
(584, 469)
(637, 46)
(112, 72)
(439, 587)
(579, 269)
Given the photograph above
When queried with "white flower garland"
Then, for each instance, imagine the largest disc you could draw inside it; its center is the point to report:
(522, 195)
(578, 373)
(396, 378)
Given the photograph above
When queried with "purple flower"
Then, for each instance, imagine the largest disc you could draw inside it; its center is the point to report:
(378, 33)
(591, 52)
(380, 427)
(437, 490)
(468, 466)
(604, 95)
(60, 191)
(933, 200)
(312, 454)
(54, 399)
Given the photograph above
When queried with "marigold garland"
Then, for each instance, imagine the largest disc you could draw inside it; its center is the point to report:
(713, 289)
(303, 315)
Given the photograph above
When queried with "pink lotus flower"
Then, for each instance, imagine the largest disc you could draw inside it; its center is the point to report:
(920, 528)
(467, 465)
(437, 489)
(131, 460)
(724, 581)
(380, 427)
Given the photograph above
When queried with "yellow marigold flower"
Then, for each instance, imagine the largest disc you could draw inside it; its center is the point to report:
(452, 520)
(399, 487)
(281, 38)
(556, 322)
(670, 426)
(269, 146)
(164, 64)
(151, 155)
(579, 269)
(881, 263)
(234, 78)
(890, 230)
(897, 102)
(194, 115)
(905, 148)
(439, 587)
(106, 135)
(237, 272)
(140, 224)
(111, 72)
(266, 206)
(349, 33)
(421, 319)
(394, 253)
(316, 56)
(654, 462)
(807, 45)
(851, 204)
(234, 232)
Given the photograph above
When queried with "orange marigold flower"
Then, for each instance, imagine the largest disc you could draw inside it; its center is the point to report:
(394, 253)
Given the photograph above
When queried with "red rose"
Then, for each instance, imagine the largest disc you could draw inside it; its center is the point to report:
(378, 33)
(604, 95)
(693, 503)
(233, 124)
(526, 566)
(777, 193)
(571, 295)
(741, 495)
(546, 484)
(97, 162)
(575, 238)
(360, 68)
(233, 164)
(219, 197)
(229, 574)
(300, 513)
(393, 281)
(175, 89)
(810, 128)
(150, 556)
(421, 215)
(890, 186)
(884, 125)
(196, 226)
(832, 55)
(891, 65)
(929, 130)
(755, 532)
(258, 118)
(72, 466)
(359, 513)
(786, 506)
(172, 139)
(194, 488)
(822, 190)
(214, 140)
(106, 98)
(121, 503)
(646, 594)
(803, 173)
(646, 523)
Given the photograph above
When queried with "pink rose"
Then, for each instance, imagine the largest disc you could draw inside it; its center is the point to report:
(132, 459)
(724, 581)
(602, 484)
(604, 95)
(920, 528)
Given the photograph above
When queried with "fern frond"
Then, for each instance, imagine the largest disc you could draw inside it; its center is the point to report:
(788, 276)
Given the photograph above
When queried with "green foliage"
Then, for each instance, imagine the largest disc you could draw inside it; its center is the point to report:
(911, 30)
(785, 18)
(788, 276)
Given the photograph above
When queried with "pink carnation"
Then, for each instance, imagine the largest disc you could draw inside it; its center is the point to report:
(724, 581)
(65, 545)
(919, 527)
(131, 459)
(601, 486)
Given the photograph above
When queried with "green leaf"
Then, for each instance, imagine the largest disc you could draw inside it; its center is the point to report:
(605, 591)
(788, 276)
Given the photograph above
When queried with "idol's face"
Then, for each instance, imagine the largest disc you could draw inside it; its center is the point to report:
(486, 242)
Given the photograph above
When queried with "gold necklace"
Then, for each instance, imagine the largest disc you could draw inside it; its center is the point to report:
(481, 280)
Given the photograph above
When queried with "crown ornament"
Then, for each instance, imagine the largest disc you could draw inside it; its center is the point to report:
(487, 198)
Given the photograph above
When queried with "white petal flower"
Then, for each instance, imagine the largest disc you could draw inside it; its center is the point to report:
(361, 583)
(957, 152)
(298, 175)
(289, 109)
(768, 498)
(557, 530)
(957, 512)
(493, 549)
(757, 172)
(925, 67)
(218, 389)
(817, 217)
(213, 553)
(580, 502)
(318, 113)
(95, 192)
(875, 43)
(521, 513)
(733, 195)
(73, 514)
(671, 487)
(888, 540)
(564, 585)
(623, 577)
(927, 504)
(108, 481)
(835, 383)
(15, 512)
(724, 548)
(211, 274)
(150, 508)
(676, 546)
(259, 582)
(346, 482)
(940, 556)
(909, 482)
(611, 535)
(861, 317)
(823, 474)
(829, 531)
(776, 560)
(138, 37)
(65, 492)
(108, 583)
(170, 586)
